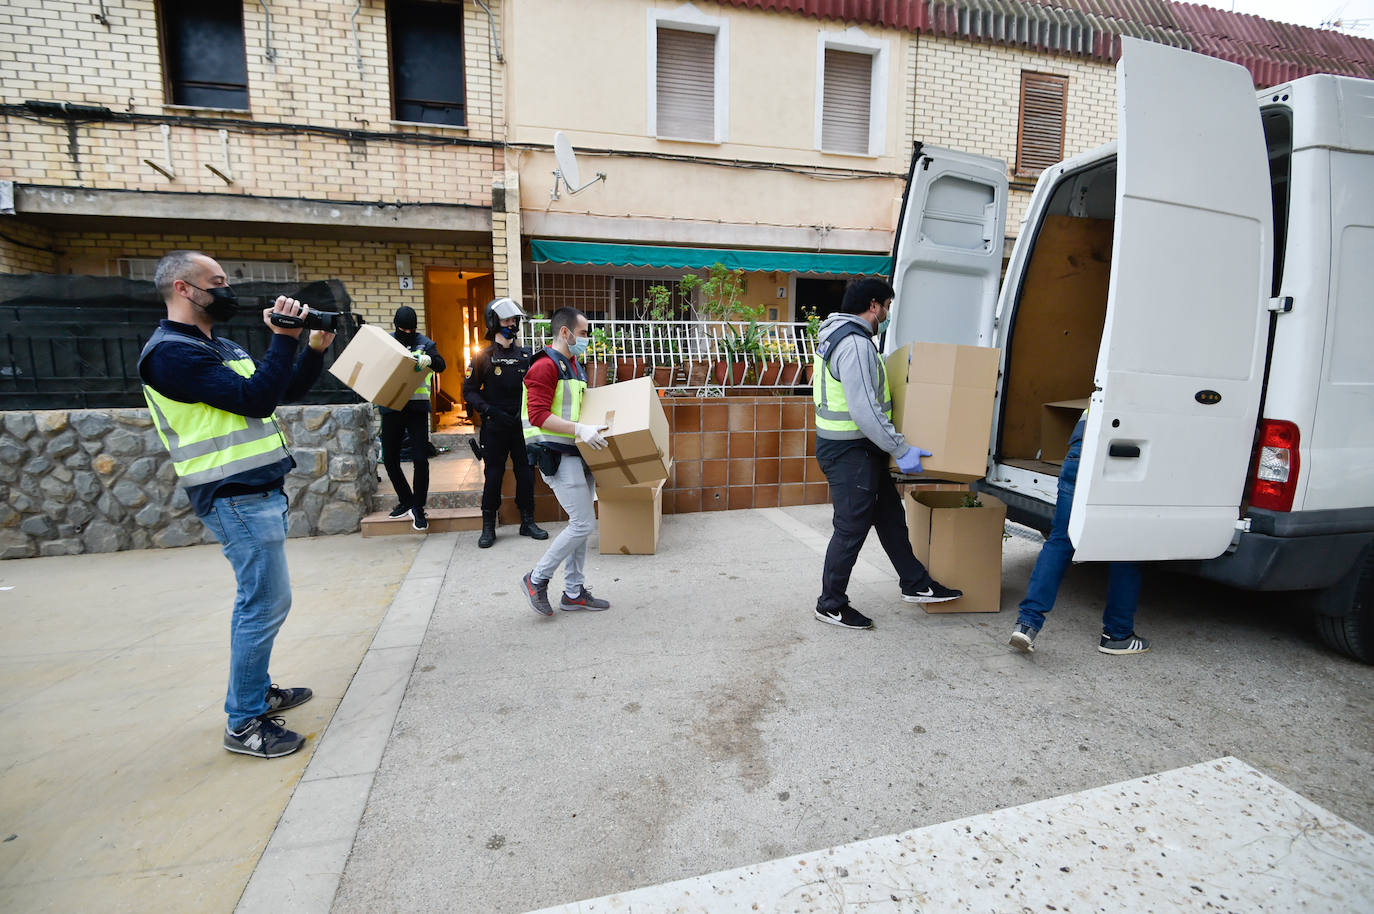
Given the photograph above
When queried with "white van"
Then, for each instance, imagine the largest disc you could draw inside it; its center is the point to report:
(1207, 281)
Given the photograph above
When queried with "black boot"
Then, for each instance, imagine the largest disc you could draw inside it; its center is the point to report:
(529, 528)
(488, 530)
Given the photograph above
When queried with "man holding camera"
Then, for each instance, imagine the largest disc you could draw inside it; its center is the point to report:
(494, 388)
(411, 422)
(213, 404)
(550, 414)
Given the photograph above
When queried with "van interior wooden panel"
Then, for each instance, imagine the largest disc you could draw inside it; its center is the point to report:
(1058, 326)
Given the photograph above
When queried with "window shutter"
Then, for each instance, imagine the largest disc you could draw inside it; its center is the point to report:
(846, 101)
(1040, 136)
(686, 84)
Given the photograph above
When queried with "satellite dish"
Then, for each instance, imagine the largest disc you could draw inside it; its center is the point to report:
(568, 171)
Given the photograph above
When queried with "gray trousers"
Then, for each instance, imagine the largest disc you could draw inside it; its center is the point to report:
(574, 486)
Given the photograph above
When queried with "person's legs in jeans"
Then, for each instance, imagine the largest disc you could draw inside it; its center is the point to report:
(417, 430)
(393, 430)
(574, 487)
(889, 519)
(1057, 552)
(494, 467)
(853, 495)
(252, 532)
(1123, 592)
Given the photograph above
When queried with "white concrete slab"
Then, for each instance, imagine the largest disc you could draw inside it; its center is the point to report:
(299, 870)
(1216, 836)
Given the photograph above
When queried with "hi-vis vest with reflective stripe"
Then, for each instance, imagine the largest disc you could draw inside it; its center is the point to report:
(208, 444)
(422, 392)
(567, 403)
(832, 409)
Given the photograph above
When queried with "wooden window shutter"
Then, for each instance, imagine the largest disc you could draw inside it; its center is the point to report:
(846, 101)
(686, 84)
(1040, 135)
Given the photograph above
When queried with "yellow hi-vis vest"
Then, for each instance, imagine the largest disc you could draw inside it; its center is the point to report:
(832, 409)
(567, 403)
(208, 444)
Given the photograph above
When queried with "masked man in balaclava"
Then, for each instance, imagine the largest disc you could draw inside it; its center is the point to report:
(411, 422)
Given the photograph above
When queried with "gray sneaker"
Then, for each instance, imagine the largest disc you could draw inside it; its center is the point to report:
(537, 594)
(1023, 638)
(583, 600)
(264, 737)
(1131, 644)
(279, 699)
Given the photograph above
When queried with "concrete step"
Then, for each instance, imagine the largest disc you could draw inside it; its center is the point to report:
(441, 520)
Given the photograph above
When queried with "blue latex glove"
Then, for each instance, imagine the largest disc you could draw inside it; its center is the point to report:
(910, 462)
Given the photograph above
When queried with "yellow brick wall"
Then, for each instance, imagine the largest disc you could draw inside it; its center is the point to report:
(25, 248)
(52, 50)
(366, 268)
(966, 96)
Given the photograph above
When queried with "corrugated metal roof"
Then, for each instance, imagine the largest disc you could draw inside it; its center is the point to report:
(1274, 52)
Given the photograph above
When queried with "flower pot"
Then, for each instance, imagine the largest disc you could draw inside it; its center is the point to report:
(729, 373)
(789, 374)
(628, 369)
(769, 373)
(663, 376)
(596, 374)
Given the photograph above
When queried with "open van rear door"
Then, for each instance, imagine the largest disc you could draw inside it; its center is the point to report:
(1179, 372)
(948, 253)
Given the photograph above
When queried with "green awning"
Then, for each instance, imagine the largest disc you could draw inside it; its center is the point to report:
(648, 255)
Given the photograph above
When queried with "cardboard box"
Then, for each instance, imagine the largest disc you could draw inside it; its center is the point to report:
(637, 450)
(942, 400)
(378, 368)
(1056, 425)
(961, 547)
(630, 518)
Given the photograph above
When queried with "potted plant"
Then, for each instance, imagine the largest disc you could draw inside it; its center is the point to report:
(600, 350)
(813, 332)
(662, 346)
(722, 291)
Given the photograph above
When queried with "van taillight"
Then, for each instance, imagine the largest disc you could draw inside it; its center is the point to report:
(1274, 479)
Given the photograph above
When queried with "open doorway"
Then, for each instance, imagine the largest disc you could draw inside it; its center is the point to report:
(454, 302)
(824, 295)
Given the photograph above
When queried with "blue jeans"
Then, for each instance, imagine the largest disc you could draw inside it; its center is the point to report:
(1123, 581)
(252, 532)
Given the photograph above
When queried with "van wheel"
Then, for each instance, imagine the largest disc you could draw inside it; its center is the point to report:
(1345, 611)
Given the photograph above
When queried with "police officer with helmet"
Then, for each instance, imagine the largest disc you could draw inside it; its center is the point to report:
(494, 388)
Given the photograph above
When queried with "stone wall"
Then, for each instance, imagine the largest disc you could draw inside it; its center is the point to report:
(76, 481)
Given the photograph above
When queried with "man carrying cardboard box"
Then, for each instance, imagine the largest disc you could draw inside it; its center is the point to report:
(213, 405)
(549, 414)
(411, 421)
(854, 436)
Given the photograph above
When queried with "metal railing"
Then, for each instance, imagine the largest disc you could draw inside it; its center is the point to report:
(694, 357)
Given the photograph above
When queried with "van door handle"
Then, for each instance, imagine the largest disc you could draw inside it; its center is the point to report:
(1123, 450)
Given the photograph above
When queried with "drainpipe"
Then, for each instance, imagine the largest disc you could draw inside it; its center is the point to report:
(270, 54)
(491, 27)
(357, 44)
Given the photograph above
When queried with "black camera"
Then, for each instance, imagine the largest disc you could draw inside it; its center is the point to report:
(330, 321)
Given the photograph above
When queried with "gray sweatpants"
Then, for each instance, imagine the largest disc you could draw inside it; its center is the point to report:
(574, 486)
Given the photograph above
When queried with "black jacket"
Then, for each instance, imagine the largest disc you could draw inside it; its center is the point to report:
(496, 383)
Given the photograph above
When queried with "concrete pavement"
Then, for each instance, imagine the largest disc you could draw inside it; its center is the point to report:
(488, 759)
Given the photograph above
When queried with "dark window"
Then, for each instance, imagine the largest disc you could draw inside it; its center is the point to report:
(202, 53)
(427, 62)
(1040, 135)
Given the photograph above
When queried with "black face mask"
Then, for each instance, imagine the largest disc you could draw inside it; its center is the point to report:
(224, 302)
(509, 333)
(405, 337)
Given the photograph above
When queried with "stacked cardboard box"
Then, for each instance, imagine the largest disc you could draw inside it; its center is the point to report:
(377, 368)
(631, 470)
(960, 546)
(942, 401)
(1056, 425)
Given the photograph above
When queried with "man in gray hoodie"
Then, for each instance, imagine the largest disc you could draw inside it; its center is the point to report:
(854, 436)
